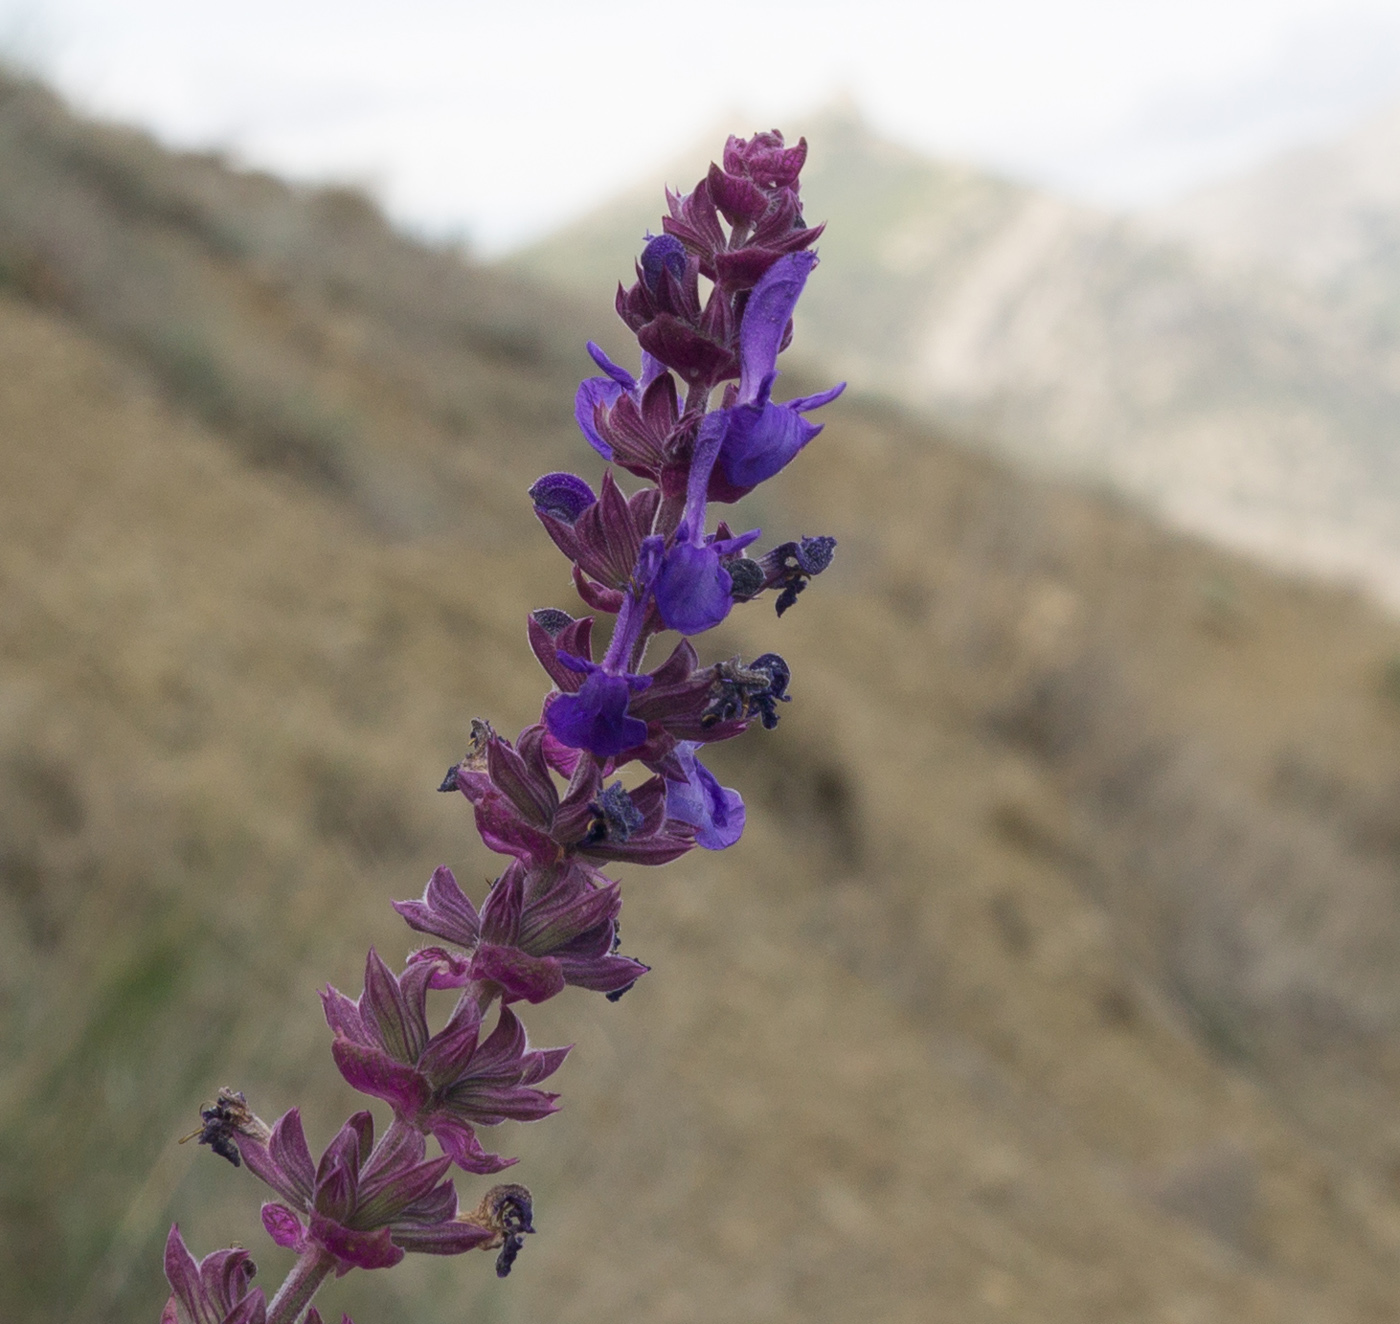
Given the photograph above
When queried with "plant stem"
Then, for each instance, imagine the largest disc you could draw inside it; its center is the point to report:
(312, 1268)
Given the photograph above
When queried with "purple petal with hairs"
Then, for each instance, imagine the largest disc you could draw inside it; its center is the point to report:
(375, 1073)
(458, 1139)
(395, 1011)
(595, 393)
(291, 1155)
(521, 977)
(447, 1238)
(214, 1290)
(694, 592)
(354, 1249)
(283, 1226)
(450, 1050)
(445, 910)
(383, 1200)
(766, 315)
(761, 440)
(562, 496)
(596, 718)
(715, 812)
(344, 1018)
(615, 373)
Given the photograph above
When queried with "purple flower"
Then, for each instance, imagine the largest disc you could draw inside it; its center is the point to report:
(626, 420)
(444, 1083)
(517, 805)
(596, 717)
(760, 437)
(694, 592)
(519, 810)
(601, 392)
(715, 812)
(712, 306)
(363, 1204)
(213, 1291)
(538, 931)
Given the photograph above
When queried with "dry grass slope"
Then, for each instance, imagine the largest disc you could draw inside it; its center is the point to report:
(1053, 980)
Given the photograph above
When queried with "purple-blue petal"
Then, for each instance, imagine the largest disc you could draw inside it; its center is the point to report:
(761, 440)
(803, 403)
(693, 591)
(596, 718)
(652, 368)
(575, 663)
(592, 392)
(620, 375)
(714, 811)
(766, 315)
(728, 546)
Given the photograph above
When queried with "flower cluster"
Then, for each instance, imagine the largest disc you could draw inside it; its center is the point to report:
(554, 800)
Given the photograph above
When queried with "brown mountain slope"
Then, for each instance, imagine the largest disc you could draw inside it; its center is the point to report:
(1051, 980)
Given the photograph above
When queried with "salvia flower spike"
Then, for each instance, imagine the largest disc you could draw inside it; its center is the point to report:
(552, 800)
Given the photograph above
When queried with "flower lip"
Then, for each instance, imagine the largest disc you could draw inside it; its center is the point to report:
(595, 718)
(694, 592)
(716, 813)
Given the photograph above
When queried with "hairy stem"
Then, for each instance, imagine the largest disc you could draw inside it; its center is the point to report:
(312, 1268)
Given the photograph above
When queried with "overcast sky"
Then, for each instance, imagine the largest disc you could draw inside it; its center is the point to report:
(496, 121)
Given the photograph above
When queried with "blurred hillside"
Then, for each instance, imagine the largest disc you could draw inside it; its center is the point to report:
(1240, 403)
(1054, 979)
